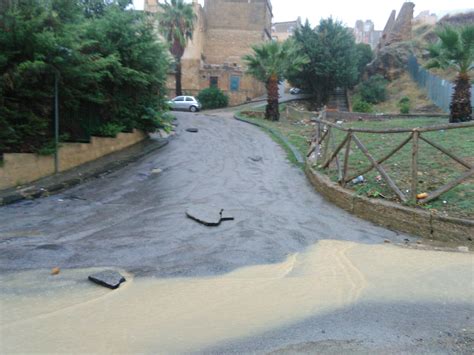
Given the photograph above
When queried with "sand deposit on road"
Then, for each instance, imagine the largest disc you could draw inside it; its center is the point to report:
(68, 314)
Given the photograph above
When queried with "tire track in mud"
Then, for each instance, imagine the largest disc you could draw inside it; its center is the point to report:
(353, 274)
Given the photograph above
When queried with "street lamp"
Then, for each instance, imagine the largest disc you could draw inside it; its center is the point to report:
(67, 53)
(56, 120)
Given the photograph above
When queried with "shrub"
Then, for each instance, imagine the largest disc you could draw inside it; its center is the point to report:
(112, 69)
(360, 105)
(404, 100)
(404, 105)
(373, 90)
(109, 129)
(364, 55)
(47, 149)
(213, 98)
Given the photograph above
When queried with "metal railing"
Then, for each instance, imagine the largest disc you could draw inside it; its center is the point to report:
(438, 90)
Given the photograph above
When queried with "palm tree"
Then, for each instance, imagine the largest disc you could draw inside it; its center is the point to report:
(176, 23)
(455, 48)
(269, 63)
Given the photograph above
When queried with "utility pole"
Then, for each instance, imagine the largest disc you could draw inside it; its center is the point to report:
(56, 121)
(65, 52)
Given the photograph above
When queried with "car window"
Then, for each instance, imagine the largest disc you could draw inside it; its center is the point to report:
(189, 99)
(179, 98)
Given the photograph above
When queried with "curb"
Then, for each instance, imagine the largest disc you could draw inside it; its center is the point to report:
(392, 215)
(42, 189)
(291, 147)
(236, 107)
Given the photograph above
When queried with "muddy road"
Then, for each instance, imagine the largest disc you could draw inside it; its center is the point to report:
(292, 273)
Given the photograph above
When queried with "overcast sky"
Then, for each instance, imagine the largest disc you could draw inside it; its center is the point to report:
(348, 11)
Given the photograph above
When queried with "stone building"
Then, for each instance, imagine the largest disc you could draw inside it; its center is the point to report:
(425, 18)
(281, 31)
(225, 30)
(364, 32)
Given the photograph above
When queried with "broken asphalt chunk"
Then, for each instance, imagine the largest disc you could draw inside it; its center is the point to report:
(205, 215)
(109, 279)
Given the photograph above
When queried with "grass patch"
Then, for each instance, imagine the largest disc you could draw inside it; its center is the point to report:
(405, 87)
(435, 168)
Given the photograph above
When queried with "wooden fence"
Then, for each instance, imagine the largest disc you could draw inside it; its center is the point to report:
(324, 150)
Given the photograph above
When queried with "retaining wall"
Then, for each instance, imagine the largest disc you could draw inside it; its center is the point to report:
(358, 116)
(22, 168)
(392, 215)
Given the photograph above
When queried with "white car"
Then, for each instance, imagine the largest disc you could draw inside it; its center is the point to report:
(185, 103)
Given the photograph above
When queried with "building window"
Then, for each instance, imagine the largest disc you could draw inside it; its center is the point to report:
(234, 83)
(214, 82)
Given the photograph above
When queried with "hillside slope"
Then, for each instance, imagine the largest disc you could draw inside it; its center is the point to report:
(392, 61)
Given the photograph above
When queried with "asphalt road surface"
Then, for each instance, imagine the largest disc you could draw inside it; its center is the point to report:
(134, 220)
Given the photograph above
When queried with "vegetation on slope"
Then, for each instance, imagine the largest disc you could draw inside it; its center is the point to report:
(110, 67)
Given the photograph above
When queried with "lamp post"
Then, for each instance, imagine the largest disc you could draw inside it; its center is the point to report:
(65, 52)
(56, 121)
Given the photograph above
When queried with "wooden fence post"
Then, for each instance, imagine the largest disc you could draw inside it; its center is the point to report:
(380, 169)
(346, 159)
(414, 164)
(328, 140)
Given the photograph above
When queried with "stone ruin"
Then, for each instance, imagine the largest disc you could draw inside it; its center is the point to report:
(399, 29)
(393, 50)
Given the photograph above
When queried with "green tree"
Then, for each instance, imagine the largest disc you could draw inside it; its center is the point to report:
(364, 56)
(269, 63)
(133, 67)
(110, 61)
(373, 90)
(33, 38)
(455, 48)
(176, 23)
(95, 8)
(333, 59)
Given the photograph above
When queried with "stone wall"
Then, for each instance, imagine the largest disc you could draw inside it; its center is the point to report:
(229, 45)
(402, 28)
(251, 15)
(391, 215)
(398, 29)
(359, 116)
(22, 168)
(388, 29)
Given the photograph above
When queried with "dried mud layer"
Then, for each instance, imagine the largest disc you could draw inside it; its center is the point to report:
(291, 273)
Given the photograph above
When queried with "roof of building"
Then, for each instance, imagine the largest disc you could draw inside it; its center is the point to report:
(288, 26)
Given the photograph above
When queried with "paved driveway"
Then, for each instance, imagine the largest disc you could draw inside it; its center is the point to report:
(136, 220)
(261, 283)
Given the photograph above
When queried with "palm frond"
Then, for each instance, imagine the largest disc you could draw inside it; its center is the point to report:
(274, 58)
(176, 23)
(454, 48)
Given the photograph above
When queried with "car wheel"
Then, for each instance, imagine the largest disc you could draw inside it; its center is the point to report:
(193, 109)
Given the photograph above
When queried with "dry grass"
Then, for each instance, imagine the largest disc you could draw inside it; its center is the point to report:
(405, 86)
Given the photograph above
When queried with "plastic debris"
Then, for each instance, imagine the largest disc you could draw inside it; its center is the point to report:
(358, 180)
